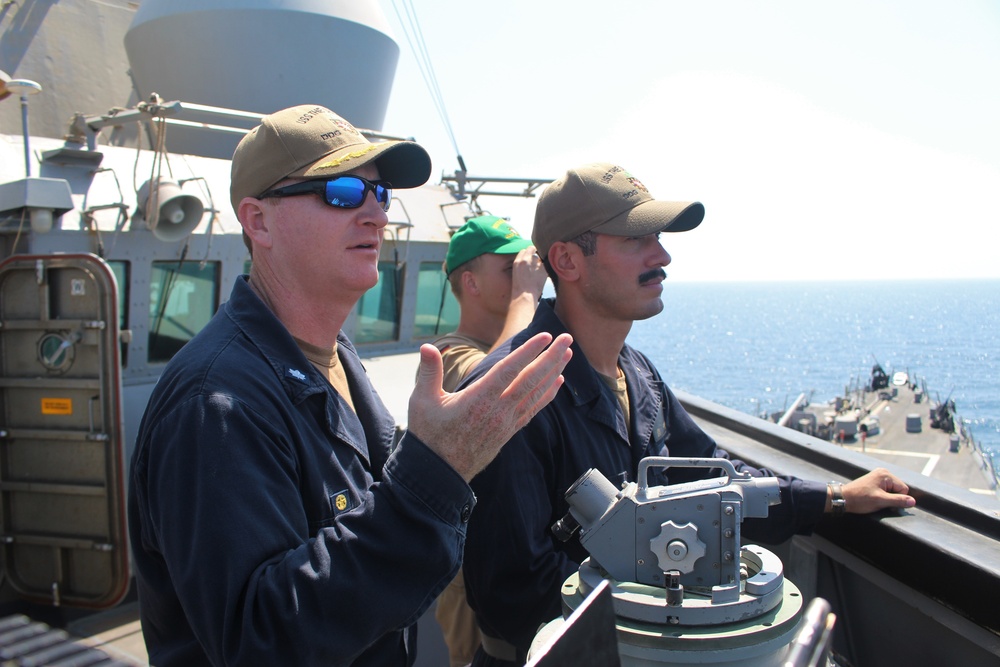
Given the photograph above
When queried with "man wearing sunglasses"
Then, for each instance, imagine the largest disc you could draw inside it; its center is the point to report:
(271, 520)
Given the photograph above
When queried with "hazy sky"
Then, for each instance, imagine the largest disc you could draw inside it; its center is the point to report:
(853, 139)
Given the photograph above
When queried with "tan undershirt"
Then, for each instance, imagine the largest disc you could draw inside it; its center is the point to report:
(328, 363)
(620, 390)
(459, 355)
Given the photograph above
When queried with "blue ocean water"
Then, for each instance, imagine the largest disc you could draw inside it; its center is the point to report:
(755, 347)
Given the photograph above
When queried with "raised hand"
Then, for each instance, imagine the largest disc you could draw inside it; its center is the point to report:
(468, 428)
(528, 274)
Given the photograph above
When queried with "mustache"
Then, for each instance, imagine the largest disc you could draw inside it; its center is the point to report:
(651, 275)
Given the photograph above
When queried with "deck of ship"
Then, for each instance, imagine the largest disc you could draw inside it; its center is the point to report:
(906, 438)
(915, 587)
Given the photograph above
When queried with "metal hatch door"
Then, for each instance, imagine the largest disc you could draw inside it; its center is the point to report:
(63, 537)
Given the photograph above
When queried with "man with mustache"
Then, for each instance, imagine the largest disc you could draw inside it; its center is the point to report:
(597, 230)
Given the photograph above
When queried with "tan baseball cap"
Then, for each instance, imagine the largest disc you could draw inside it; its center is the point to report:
(310, 141)
(606, 199)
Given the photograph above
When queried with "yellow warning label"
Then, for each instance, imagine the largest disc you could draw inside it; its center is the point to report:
(57, 406)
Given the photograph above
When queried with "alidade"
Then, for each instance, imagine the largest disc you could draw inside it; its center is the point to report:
(685, 589)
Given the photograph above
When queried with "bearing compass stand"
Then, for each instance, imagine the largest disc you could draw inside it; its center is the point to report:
(684, 589)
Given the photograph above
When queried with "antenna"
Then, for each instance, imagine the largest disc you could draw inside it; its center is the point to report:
(23, 88)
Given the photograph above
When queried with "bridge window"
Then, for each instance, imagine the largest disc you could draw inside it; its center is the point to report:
(183, 296)
(378, 309)
(437, 308)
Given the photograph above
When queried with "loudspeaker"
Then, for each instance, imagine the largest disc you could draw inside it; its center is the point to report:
(176, 214)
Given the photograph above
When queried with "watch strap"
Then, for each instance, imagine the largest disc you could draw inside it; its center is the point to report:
(837, 503)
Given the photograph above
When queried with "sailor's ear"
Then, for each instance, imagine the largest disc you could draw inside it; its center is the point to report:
(252, 214)
(566, 260)
(469, 283)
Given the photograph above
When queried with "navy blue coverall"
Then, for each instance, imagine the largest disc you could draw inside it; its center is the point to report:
(514, 567)
(270, 523)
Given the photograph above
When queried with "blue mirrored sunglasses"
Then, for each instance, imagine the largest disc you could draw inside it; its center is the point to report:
(341, 192)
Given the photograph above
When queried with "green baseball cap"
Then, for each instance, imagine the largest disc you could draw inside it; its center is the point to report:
(482, 235)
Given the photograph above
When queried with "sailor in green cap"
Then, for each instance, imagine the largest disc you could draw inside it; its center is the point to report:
(497, 278)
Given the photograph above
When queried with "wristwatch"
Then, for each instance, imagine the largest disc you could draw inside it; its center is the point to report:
(837, 503)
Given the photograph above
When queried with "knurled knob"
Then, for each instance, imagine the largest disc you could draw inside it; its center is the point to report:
(677, 547)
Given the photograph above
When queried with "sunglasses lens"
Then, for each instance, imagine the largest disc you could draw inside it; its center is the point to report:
(383, 195)
(350, 192)
(345, 192)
